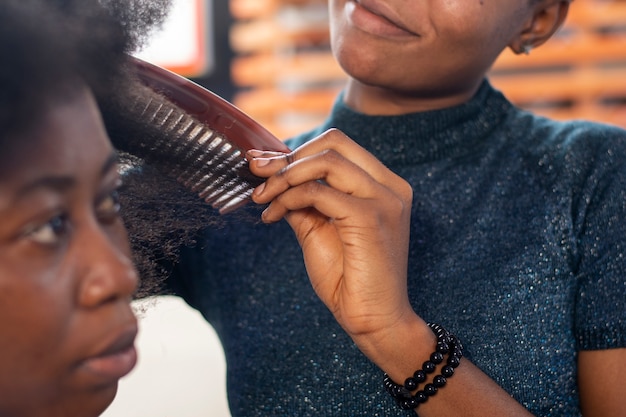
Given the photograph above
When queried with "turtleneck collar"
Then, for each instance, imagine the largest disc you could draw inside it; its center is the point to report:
(424, 136)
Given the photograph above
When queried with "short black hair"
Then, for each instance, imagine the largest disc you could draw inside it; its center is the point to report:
(47, 45)
(42, 58)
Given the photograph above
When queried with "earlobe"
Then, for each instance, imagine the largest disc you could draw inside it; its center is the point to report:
(545, 21)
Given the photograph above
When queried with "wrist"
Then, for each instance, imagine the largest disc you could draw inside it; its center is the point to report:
(418, 387)
(399, 349)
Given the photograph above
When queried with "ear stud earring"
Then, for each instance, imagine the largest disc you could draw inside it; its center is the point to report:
(526, 49)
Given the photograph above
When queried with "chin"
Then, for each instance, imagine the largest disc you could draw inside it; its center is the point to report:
(367, 68)
(358, 70)
(86, 404)
(102, 400)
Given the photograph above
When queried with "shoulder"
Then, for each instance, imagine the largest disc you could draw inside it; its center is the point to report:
(567, 141)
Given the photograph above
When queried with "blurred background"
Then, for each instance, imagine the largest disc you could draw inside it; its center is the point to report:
(271, 58)
(181, 368)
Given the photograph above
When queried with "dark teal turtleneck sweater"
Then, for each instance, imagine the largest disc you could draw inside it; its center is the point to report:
(518, 245)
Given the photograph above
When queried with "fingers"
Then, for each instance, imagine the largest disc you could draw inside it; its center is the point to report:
(328, 201)
(328, 167)
(332, 157)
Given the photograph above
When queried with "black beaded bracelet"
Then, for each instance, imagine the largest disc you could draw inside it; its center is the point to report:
(447, 344)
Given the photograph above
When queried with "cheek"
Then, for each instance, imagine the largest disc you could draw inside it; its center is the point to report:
(483, 27)
(118, 236)
(36, 310)
(33, 334)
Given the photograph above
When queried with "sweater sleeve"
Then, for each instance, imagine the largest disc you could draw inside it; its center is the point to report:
(600, 321)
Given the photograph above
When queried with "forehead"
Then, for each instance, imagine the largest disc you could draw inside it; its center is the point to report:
(69, 125)
(67, 139)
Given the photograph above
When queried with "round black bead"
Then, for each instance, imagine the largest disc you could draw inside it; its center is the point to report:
(454, 361)
(420, 376)
(412, 403)
(443, 347)
(436, 358)
(458, 352)
(410, 384)
(429, 367)
(403, 404)
(430, 390)
(439, 381)
(421, 397)
(447, 371)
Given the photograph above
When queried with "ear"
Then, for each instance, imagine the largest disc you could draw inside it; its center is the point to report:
(547, 18)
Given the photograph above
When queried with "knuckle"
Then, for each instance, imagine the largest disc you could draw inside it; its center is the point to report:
(290, 157)
(335, 135)
(332, 138)
(406, 192)
(395, 205)
(313, 188)
(283, 172)
(331, 156)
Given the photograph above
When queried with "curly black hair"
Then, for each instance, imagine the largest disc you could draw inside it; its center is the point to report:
(47, 45)
(43, 53)
(51, 46)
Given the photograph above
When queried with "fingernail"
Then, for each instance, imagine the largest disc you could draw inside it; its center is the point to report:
(255, 153)
(261, 162)
(264, 216)
(259, 190)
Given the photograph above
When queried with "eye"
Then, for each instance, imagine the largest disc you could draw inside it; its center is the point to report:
(51, 232)
(109, 207)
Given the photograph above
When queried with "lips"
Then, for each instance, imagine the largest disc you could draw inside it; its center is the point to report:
(384, 19)
(116, 360)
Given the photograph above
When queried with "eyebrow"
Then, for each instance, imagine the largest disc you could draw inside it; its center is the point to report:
(62, 183)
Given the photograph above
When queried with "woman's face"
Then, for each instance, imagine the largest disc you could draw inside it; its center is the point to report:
(66, 277)
(426, 47)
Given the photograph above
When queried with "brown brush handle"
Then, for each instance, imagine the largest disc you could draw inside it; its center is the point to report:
(209, 108)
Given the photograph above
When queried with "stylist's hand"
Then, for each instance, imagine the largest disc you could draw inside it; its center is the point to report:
(351, 216)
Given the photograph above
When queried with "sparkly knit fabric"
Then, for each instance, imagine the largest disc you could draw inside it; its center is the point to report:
(518, 246)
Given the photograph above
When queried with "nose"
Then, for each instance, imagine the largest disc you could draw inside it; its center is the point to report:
(108, 273)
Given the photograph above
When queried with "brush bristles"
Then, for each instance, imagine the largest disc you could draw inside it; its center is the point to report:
(203, 160)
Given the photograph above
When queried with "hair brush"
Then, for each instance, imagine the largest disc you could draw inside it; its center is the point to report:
(201, 138)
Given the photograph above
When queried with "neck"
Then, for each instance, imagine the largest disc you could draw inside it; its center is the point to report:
(372, 100)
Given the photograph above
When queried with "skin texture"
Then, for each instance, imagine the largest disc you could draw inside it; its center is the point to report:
(351, 214)
(440, 57)
(66, 278)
